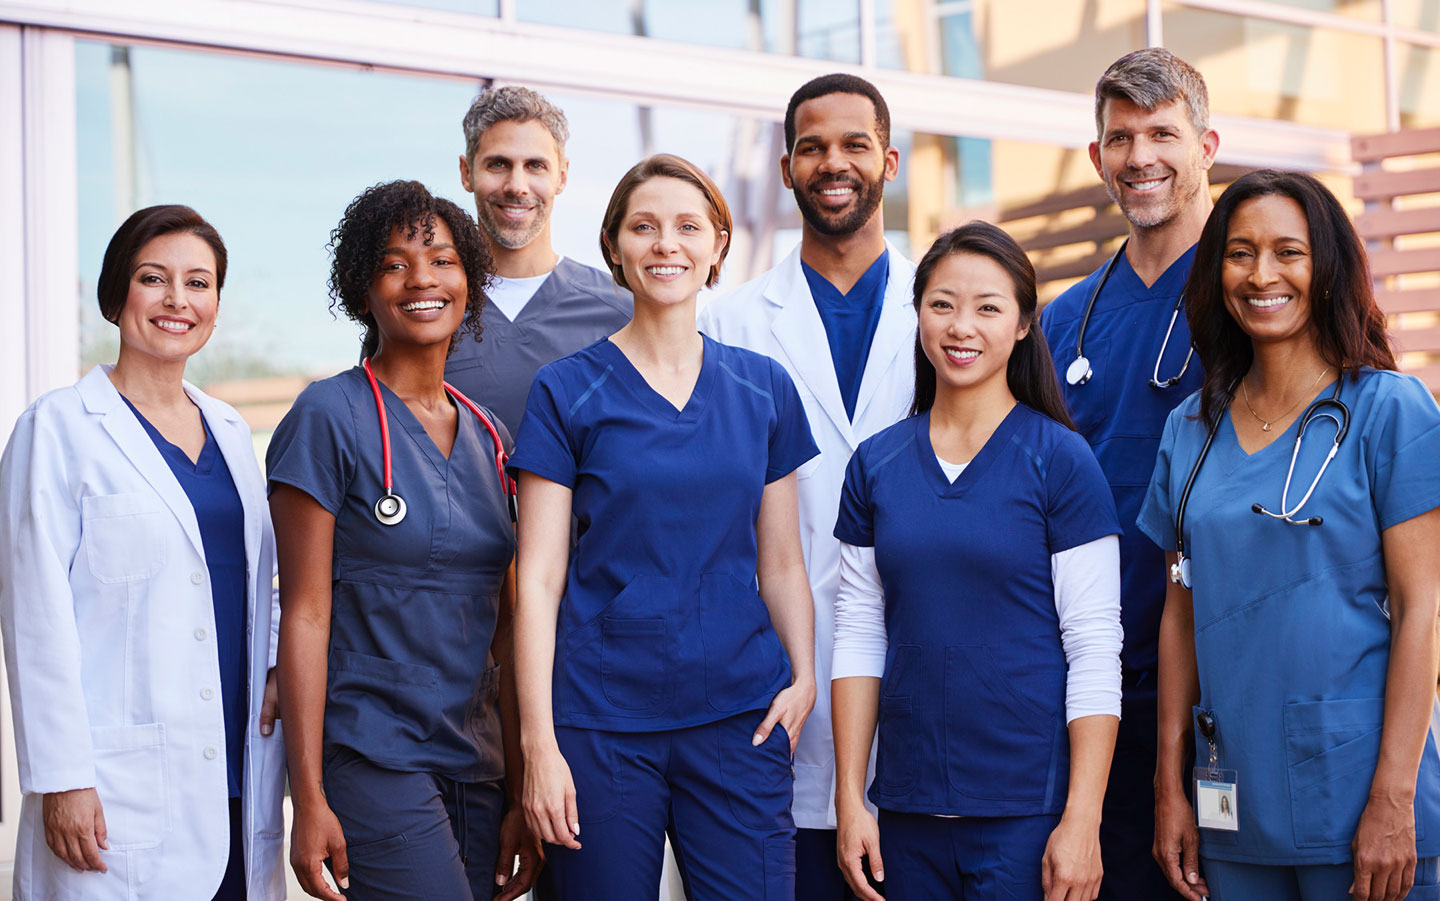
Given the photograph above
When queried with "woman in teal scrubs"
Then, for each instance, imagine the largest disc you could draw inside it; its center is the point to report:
(1302, 656)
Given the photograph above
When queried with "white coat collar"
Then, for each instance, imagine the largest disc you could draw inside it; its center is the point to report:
(799, 330)
(100, 398)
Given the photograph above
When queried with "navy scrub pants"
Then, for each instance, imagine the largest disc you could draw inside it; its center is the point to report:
(1127, 829)
(724, 804)
(930, 858)
(414, 835)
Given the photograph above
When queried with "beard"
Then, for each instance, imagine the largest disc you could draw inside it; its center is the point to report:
(868, 195)
(510, 236)
(1160, 210)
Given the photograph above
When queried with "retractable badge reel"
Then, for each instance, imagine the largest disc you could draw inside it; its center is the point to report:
(1216, 804)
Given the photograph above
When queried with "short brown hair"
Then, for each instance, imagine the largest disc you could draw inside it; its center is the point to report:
(1150, 77)
(144, 226)
(663, 165)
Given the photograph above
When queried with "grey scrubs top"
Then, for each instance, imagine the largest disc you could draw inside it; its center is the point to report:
(413, 605)
(575, 307)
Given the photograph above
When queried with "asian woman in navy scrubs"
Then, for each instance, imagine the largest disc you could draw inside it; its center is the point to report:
(659, 691)
(391, 711)
(979, 609)
(1309, 645)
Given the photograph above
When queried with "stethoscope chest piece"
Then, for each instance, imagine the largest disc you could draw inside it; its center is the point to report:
(1078, 372)
(390, 509)
(1180, 572)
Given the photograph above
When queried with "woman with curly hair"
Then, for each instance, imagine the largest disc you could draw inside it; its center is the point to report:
(395, 563)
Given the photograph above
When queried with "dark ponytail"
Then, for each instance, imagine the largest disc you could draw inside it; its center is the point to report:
(1030, 372)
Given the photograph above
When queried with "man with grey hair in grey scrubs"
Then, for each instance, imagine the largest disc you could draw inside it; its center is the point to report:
(543, 305)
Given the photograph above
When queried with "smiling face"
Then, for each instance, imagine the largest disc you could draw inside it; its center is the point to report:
(1153, 162)
(838, 166)
(1267, 269)
(418, 294)
(515, 175)
(172, 300)
(667, 241)
(969, 322)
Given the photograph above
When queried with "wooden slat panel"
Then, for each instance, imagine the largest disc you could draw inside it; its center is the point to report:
(1414, 301)
(1369, 148)
(1101, 228)
(1399, 262)
(1093, 196)
(1416, 339)
(1389, 223)
(1072, 269)
(1384, 185)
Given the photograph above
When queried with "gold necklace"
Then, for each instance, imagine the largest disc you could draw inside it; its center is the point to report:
(1265, 426)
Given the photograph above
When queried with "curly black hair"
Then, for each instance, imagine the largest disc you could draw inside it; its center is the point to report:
(358, 243)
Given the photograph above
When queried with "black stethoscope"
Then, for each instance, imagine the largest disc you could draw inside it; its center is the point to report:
(1080, 371)
(1331, 408)
(390, 508)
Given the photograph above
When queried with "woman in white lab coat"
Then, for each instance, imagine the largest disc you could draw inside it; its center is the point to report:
(136, 564)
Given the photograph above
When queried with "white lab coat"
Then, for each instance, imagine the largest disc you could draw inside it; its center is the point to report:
(775, 314)
(110, 649)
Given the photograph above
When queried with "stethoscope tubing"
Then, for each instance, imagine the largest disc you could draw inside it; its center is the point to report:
(1180, 572)
(394, 512)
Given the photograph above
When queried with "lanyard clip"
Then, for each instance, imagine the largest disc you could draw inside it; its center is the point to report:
(1205, 720)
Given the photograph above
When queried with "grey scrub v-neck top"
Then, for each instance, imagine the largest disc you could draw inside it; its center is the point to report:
(413, 605)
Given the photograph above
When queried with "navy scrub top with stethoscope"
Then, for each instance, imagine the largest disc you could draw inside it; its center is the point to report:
(1292, 635)
(1121, 413)
(972, 702)
(414, 604)
(661, 626)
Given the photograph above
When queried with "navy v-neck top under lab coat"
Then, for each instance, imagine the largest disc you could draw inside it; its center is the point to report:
(661, 626)
(972, 702)
(413, 605)
(1122, 417)
(211, 491)
(850, 321)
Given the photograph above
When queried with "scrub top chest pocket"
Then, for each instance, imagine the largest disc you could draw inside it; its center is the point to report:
(660, 625)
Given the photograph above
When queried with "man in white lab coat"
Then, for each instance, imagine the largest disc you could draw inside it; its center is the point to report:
(837, 314)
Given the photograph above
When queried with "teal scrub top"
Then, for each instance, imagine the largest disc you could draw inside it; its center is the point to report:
(1292, 636)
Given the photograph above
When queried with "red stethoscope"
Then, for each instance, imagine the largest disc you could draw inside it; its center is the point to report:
(390, 508)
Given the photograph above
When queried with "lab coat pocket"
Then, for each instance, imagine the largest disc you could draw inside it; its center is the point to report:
(130, 777)
(990, 728)
(124, 536)
(1331, 749)
(267, 763)
(744, 662)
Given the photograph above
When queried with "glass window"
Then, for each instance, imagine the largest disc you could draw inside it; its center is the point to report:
(1272, 70)
(1417, 79)
(1421, 14)
(1355, 9)
(1065, 49)
(821, 29)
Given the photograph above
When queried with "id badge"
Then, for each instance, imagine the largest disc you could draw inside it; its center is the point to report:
(1216, 804)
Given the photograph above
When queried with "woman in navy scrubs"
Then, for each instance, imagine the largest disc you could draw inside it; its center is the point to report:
(1304, 643)
(658, 690)
(395, 561)
(979, 609)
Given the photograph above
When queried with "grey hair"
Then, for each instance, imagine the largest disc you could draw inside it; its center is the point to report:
(1148, 78)
(512, 103)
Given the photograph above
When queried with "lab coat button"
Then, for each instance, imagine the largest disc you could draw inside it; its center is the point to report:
(207, 693)
(210, 753)
(197, 578)
(200, 634)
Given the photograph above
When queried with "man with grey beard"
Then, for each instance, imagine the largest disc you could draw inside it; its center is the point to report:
(542, 305)
(1124, 369)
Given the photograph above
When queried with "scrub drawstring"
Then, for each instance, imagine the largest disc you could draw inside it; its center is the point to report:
(460, 824)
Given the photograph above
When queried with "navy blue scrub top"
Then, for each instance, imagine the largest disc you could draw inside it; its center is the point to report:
(221, 516)
(1292, 638)
(413, 605)
(850, 321)
(1122, 417)
(972, 701)
(661, 626)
